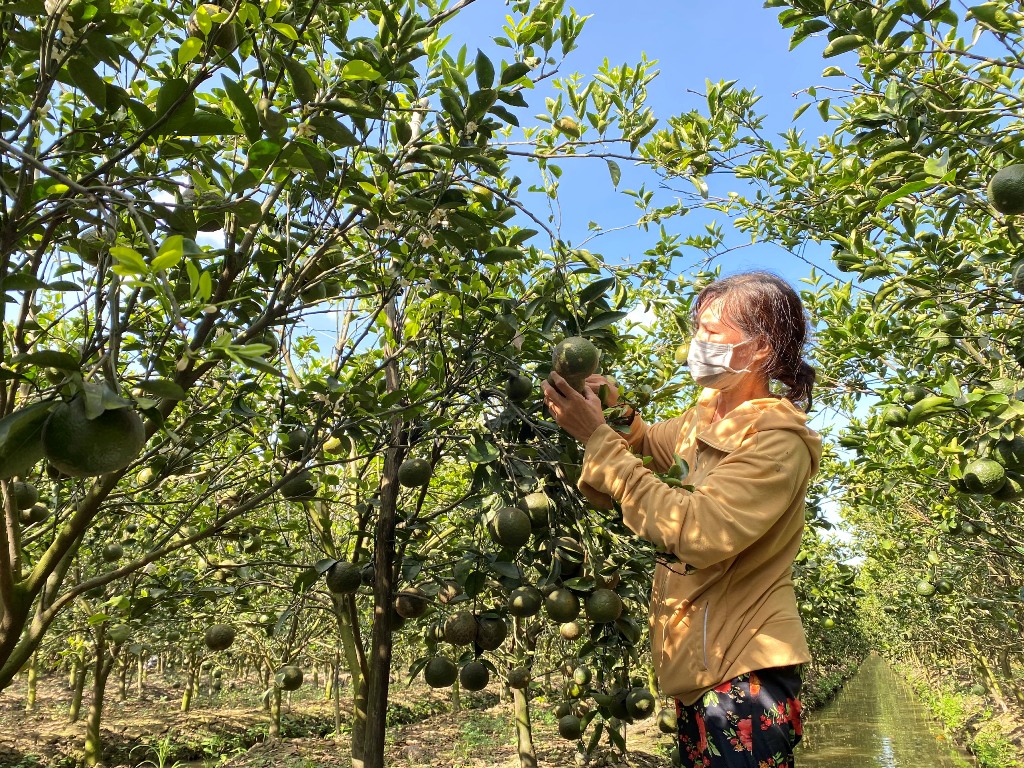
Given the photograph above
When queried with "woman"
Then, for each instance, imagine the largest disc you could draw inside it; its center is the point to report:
(725, 631)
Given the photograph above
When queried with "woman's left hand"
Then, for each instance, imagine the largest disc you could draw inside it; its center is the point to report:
(578, 414)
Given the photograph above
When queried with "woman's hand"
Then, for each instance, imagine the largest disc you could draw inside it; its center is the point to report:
(578, 414)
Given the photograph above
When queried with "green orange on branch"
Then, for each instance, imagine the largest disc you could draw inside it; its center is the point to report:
(414, 473)
(80, 446)
(1006, 190)
(574, 359)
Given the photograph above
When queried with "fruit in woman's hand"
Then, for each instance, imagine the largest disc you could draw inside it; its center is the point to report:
(574, 359)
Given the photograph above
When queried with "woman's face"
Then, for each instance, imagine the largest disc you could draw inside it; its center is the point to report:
(714, 325)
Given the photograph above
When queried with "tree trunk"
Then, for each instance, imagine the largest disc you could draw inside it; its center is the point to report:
(191, 681)
(379, 678)
(524, 731)
(334, 682)
(79, 687)
(351, 644)
(275, 714)
(93, 744)
(124, 682)
(141, 675)
(30, 693)
(456, 698)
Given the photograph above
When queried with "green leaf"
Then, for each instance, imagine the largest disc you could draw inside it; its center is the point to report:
(170, 253)
(356, 69)
(285, 29)
(169, 94)
(843, 44)
(513, 72)
(129, 259)
(247, 114)
(263, 153)
(604, 320)
(500, 254)
(189, 50)
(302, 81)
(92, 85)
(48, 358)
(205, 123)
(162, 388)
(482, 452)
(907, 189)
(614, 171)
(484, 70)
(936, 167)
(334, 131)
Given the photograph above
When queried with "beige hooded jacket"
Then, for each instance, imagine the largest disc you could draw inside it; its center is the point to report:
(739, 530)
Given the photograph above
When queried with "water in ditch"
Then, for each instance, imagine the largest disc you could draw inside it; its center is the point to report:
(876, 721)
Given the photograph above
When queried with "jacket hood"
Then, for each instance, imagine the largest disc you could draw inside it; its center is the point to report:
(754, 416)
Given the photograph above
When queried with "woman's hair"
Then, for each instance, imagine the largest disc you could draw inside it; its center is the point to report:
(764, 306)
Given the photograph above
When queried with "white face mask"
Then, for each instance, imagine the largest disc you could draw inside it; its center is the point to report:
(711, 364)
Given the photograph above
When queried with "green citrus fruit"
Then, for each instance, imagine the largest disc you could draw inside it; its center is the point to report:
(640, 703)
(82, 447)
(460, 628)
(562, 605)
(562, 709)
(574, 358)
(913, 393)
(25, 494)
(38, 513)
(294, 443)
(570, 727)
(570, 630)
(984, 476)
(829, 623)
(1017, 281)
(1006, 190)
(112, 552)
(925, 588)
(603, 606)
(411, 603)
(979, 689)
(510, 527)
(491, 632)
(219, 637)
(289, 677)
(519, 677)
(343, 577)
(538, 507)
(893, 415)
(582, 675)
(667, 721)
(299, 488)
(944, 587)
(1013, 488)
(474, 676)
(414, 473)
(525, 601)
(440, 672)
(519, 387)
(1009, 452)
(222, 34)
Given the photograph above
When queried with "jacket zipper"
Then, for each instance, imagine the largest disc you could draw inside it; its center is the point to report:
(707, 606)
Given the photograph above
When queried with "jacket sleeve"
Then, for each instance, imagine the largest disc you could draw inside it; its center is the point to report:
(739, 500)
(655, 442)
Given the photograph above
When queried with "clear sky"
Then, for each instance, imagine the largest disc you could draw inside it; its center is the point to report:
(692, 42)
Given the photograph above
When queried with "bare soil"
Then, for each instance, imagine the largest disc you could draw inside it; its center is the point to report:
(230, 729)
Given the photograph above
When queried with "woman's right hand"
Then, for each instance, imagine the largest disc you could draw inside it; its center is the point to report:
(610, 396)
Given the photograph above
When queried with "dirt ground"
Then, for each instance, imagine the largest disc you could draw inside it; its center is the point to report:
(230, 729)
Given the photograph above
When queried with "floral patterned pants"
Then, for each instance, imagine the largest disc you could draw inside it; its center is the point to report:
(751, 721)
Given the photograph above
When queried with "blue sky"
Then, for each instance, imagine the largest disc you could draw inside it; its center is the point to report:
(692, 42)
